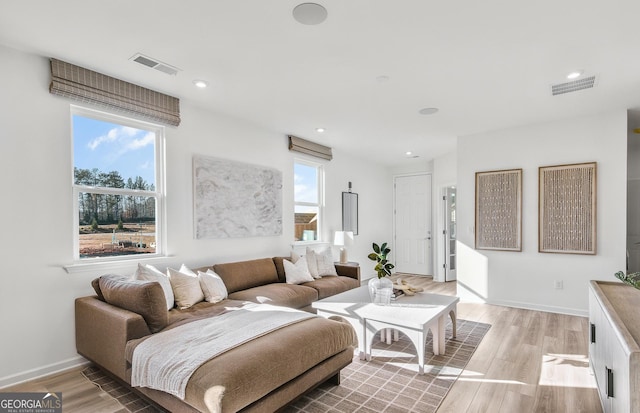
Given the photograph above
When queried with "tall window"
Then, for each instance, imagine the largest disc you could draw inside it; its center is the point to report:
(117, 185)
(308, 183)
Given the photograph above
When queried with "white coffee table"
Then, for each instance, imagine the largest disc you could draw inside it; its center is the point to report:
(413, 315)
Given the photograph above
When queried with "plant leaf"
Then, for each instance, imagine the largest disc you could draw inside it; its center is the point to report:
(376, 248)
(372, 256)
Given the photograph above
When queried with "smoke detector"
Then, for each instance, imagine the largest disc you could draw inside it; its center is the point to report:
(573, 86)
(155, 64)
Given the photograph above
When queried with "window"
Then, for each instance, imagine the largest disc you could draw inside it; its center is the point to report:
(308, 191)
(117, 186)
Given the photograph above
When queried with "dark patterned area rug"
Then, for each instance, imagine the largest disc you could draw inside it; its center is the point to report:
(388, 383)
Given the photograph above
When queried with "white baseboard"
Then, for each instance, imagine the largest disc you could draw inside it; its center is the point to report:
(43, 371)
(468, 295)
(539, 307)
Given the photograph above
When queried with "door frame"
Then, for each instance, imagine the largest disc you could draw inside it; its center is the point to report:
(439, 216)
(393, 224)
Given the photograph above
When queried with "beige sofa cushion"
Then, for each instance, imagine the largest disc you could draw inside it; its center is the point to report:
(186, 287)
(212, 286)
(288, 295)
(278, 261)
(297, 273)
(328, 286)
(150, 273)
(142, 297)
(259, 366)
(247, 274)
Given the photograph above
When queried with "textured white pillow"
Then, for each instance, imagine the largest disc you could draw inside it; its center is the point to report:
(212, 286)
(297, 273)
(312, 263)
(186, 287)
(151, 273)
(324, 260)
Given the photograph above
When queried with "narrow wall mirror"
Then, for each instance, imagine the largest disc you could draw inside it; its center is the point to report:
(350, 212)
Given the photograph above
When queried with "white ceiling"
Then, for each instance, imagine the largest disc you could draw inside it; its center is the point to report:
(485, 64)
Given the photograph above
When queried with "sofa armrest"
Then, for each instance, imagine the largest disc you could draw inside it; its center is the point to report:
(102, 332)
(348, 270)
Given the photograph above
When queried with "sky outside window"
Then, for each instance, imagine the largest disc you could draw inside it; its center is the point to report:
(305, 184)
(112, 147)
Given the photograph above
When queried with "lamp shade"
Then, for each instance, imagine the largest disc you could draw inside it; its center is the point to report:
(342, 238)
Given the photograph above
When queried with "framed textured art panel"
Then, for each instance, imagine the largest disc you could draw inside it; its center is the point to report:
(499, 210)
(567, 208)
(235, 199)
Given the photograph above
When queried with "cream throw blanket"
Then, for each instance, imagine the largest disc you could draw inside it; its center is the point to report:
(166, 360)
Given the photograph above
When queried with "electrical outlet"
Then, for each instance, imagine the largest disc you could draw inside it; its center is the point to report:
(558, 284)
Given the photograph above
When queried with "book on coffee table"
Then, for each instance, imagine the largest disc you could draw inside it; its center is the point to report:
(397, 293)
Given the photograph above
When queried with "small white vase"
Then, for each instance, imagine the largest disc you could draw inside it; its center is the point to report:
(380, 290)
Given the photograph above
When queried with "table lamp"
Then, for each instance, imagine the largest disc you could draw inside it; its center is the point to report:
(342, 239)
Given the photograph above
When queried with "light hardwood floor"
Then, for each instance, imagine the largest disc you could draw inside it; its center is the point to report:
(529, 361)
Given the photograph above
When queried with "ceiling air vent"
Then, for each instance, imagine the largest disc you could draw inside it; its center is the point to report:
(155, 64)
(573, 86)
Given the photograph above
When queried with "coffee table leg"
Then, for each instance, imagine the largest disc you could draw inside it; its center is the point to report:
(419, 340)
(454, 319)
(435, 336)
(441, 324)
(417, 337)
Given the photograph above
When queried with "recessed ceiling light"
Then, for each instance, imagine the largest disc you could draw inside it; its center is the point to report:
(428, 111)
(320, 130)
(575, 74)
(408, 153)
(309, 13)
(200, 83)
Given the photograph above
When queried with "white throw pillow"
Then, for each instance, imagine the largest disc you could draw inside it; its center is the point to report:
(294, 257)
(186, 287)
(151, 273)
(297, 273)
(324, 260)
(312, 263)
(212, 286)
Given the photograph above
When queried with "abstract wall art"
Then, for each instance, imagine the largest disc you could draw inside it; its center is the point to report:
(499, 210)
(235, 199)
(567, 208)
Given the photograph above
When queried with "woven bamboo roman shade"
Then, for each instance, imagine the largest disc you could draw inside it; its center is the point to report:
(310, 148)
(85, 85)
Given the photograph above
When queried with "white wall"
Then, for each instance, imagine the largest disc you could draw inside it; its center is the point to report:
(526, 279)
(37, 295)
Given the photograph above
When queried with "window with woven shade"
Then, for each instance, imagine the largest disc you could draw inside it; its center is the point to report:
(118, 187)
(87, 86)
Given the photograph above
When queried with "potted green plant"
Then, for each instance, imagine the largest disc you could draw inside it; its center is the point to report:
(379, 254)
(381, 288)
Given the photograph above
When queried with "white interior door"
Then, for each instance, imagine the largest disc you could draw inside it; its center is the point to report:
(413, 238)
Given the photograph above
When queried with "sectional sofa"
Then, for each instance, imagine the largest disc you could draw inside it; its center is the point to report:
(263, 374)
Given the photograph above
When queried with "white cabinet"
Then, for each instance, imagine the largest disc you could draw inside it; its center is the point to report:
(614, 353)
